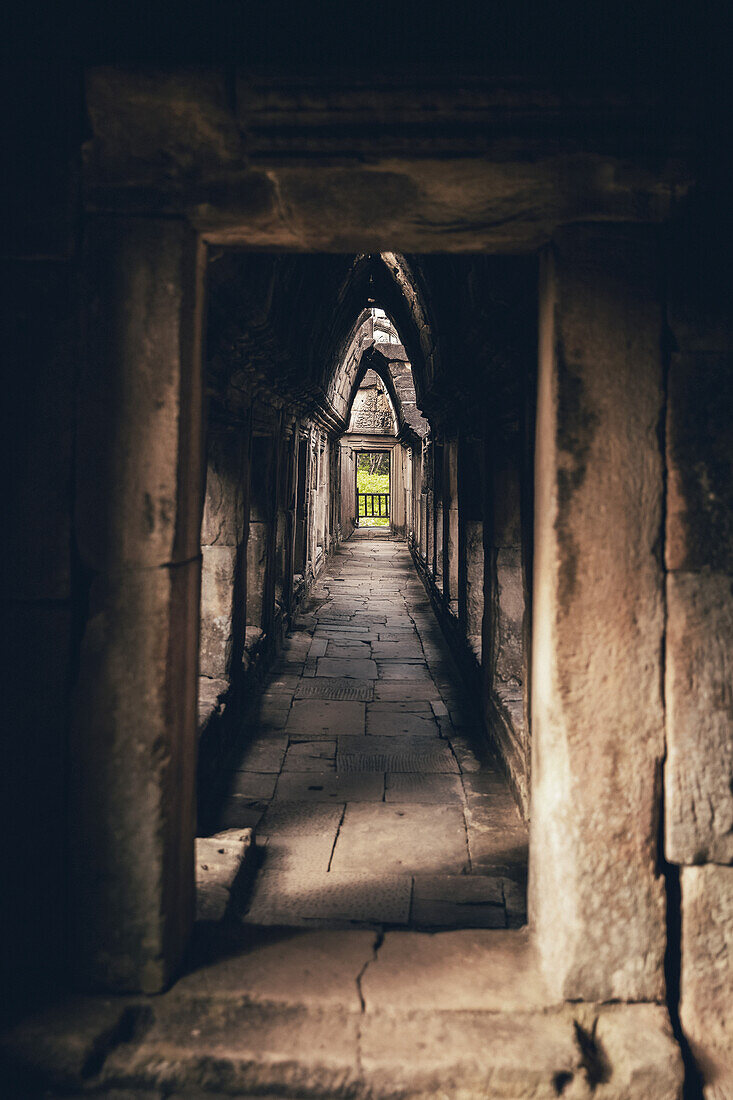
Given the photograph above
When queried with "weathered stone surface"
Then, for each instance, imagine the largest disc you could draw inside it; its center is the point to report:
(211, 693)
(401, 838)
(223, 518)
(218, 587)
(455, 901)
(596, 900)
(700, 462)
(400, 723)
(457, 971)
(438, 789)
(357, 669)
(135, 729)
(306, 756)
(138, 483)
(699, 672)
(508, 668)
(309, 968)
(323, 716)
(327, 786)
(219, 860)
(706, 992)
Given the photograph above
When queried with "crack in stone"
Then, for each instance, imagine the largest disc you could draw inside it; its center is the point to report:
(335, 839)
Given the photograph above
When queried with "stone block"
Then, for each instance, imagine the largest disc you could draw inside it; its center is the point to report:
(699, 765)
(706, 988)
(218, 587)
(219, 860)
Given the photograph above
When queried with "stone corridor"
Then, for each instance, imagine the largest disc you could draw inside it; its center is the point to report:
(359, 768)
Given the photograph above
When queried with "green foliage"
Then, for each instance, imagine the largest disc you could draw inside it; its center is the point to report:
(373, 462)
(372, 483)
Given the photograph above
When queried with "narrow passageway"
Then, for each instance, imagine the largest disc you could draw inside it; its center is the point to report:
(358, 769)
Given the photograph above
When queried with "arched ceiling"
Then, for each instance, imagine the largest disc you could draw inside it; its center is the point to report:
(293, 326)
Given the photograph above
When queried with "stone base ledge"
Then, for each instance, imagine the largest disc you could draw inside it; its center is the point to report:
(349, 1015)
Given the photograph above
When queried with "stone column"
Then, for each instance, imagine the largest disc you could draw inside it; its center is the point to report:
(450, 524)
(471, 541)
(699, 674)
(438, 513)
(260, 538)
(137, 522)
(597, 901)
(223, 573)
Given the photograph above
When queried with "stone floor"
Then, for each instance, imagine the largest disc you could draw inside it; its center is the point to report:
(360, 772)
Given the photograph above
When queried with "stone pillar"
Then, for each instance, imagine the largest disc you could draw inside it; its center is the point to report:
(260, 538)
(438, 513)
(223, 573)
(699, 673)
(597, 900)
(138, 517)
(301, 506)
(450, 524)
(471, 541)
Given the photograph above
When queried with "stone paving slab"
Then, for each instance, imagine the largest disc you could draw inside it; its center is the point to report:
(401, 838)
(341, 652)
(435, 789)
(257, 786)
(337, 689)
(398, 670)
(498, 850)
(458, 901)
(301, 819)
(401, 723)
(325, 786)
(406, 650)
(240, 813)
(391, 690)
(305, 756)
(389, 754)
(356, 669)
(325, 716)
(400, 706)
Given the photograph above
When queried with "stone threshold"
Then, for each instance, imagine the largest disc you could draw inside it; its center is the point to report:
(352, 1015)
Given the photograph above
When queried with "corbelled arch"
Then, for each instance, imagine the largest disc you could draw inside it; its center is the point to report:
(385, 280)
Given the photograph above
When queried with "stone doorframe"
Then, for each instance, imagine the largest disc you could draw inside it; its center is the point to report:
(597, 899)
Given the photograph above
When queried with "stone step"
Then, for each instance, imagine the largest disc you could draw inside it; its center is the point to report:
(348, 1015)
